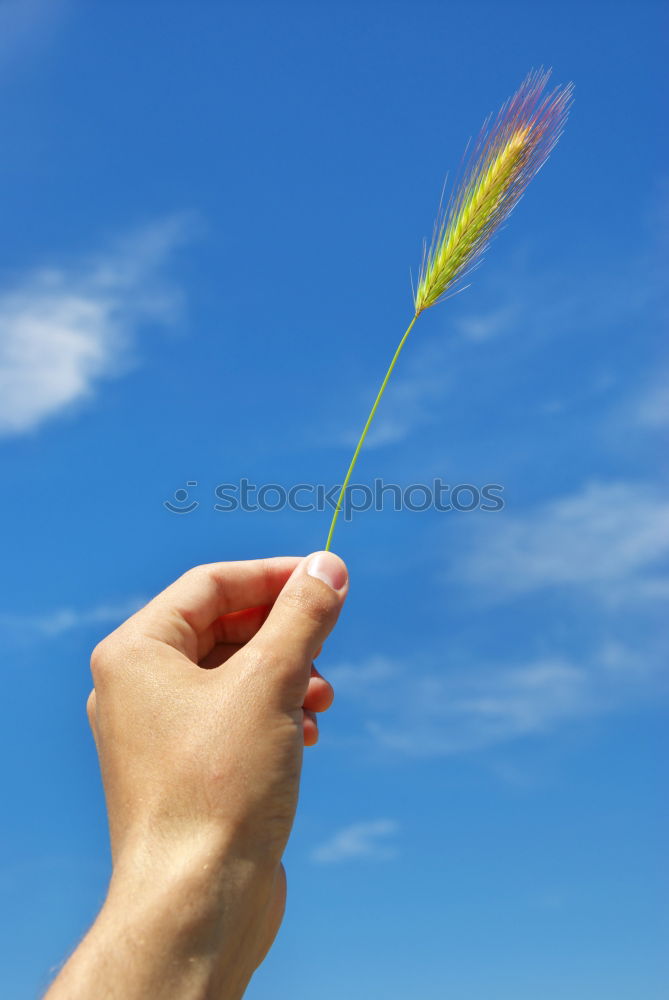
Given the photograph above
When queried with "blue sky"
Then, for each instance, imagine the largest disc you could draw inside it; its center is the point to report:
(210, 213)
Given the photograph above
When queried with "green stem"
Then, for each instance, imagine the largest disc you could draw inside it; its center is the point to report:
(364, 431)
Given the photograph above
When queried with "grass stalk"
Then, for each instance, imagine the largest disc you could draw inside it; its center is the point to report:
(365, 429)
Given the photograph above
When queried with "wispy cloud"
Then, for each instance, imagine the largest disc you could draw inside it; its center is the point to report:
(456, 715)
(428, 711)
(356, 679)
(423, 380)
(608, 538)
(516, 297)
(62, 620)
(651, 408)
(493, 322)
(62, 329)
(603, 552)
(525, 309)
(27, 22)
(371, 840)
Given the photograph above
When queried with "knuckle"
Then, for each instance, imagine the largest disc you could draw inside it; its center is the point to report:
(266, 573)
(205, 575)
(100, 658)
(118, 648)
(197, 574)
(90, 707)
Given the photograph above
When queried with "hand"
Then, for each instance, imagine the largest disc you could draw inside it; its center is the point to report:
(203, 701)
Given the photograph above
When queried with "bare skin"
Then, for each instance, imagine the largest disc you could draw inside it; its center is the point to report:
(203, 701)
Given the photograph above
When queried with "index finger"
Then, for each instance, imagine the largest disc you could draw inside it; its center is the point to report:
(183, 615)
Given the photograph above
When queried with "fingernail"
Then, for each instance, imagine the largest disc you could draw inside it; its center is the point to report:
(329, 568)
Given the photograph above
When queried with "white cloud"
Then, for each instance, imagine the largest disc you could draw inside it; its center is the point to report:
(605, 546)
(25, 23)
(609, 538)
(64, 620)
(458, 714)
(368, 840)
(490, 323)
(652, 408)
(63, 329)
(453, 710)
(514, 296)
(527, 309)
(354, 679)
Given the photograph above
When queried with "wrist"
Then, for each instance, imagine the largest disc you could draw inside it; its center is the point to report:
(183, 924)
(199, 908)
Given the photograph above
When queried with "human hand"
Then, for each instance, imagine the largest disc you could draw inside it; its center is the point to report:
(203, 701)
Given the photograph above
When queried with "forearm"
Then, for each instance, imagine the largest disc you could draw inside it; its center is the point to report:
(187, 931)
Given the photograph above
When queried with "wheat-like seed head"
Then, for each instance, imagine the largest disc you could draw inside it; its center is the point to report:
(509, 152)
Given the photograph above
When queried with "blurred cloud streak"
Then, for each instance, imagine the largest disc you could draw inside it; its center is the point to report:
(56, 623)
(62, 329)
(368, 840)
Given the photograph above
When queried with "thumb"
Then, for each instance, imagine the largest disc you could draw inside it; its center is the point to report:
(302, 617)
